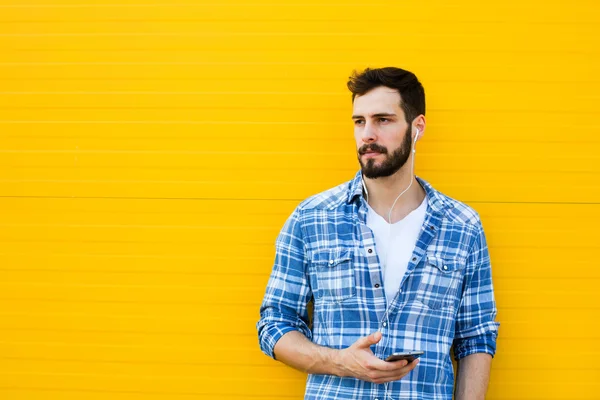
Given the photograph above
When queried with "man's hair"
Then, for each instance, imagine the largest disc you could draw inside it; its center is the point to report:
(411, 91)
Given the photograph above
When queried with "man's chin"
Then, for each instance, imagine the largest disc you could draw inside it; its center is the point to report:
(373, 174)
(374, 171)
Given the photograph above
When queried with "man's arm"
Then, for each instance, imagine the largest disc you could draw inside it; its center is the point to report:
(284, 306)
(358, 361)
(473, 377)
(296, 351)
(476, 329)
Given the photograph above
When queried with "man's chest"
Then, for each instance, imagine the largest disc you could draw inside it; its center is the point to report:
(344, 266)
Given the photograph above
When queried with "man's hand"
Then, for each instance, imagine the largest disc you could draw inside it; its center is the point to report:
(359, 362)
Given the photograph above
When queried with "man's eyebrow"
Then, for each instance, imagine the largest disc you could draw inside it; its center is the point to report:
(378, 115)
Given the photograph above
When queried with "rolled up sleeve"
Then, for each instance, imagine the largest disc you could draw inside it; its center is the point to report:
(476, 329)
(288, 292)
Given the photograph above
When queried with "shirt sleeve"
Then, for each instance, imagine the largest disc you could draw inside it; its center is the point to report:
(284, 306)
(476, 331)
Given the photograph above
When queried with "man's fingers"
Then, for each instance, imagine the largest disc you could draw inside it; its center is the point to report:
(386, 366)
(389, 376)
(368, 341)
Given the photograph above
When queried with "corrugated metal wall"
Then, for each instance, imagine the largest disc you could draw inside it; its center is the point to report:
(150, 151)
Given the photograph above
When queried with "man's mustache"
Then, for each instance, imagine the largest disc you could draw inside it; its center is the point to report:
(372, 148)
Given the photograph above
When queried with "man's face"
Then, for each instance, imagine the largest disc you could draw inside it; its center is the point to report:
(383, 139)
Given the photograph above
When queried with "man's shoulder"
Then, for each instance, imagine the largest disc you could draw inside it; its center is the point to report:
(459, 212)
(455, 211)
(327, 199)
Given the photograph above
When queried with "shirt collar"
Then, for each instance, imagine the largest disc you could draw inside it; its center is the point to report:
(436, 200)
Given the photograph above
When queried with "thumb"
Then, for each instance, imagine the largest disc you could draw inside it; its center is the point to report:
(367, 341)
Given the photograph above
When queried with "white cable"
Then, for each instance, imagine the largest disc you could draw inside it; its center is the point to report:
(412, 167)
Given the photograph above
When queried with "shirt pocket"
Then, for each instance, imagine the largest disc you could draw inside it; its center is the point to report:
(440, 282)
(334, 270)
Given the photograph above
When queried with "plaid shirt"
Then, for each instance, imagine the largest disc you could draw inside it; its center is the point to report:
(325, 253)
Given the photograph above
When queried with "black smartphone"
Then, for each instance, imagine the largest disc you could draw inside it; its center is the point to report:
(405, 355)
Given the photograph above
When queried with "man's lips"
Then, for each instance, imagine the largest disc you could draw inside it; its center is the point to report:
(371, 153)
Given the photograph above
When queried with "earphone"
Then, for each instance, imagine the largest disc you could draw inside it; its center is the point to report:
(329, 323)
(415, 142)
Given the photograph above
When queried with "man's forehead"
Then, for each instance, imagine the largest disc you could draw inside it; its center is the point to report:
(377, 101)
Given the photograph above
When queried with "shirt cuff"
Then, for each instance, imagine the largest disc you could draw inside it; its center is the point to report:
(482, 343)
(271, 330)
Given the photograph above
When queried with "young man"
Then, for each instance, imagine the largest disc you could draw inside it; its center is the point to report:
(390, 265)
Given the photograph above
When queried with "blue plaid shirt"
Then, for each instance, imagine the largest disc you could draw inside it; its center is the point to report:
(326, 253)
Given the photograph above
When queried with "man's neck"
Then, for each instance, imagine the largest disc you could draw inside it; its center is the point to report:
(384, 191)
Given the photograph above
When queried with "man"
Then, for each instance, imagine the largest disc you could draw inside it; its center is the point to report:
(389, 264)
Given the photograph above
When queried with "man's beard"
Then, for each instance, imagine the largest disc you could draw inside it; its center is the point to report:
(392, 162)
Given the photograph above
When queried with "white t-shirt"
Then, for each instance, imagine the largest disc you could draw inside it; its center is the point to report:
(395, 244)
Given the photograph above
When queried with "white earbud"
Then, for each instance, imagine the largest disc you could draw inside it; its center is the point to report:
(415, 142)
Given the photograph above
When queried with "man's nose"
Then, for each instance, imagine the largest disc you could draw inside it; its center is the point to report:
(369, 134)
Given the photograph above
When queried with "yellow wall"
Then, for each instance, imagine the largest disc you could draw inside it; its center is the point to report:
(149, 154)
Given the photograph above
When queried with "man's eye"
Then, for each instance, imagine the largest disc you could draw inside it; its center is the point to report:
(383, 120)
(358, 122)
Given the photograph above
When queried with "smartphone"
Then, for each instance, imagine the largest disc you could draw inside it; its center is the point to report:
(405, 355)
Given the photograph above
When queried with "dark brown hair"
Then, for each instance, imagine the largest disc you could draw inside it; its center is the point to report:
(411, 91)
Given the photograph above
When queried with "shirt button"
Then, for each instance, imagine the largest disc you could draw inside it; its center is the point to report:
(377, 286)
(445, 268)
(384, 324)
(330, 262)
(414, 259)
(370, 251)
